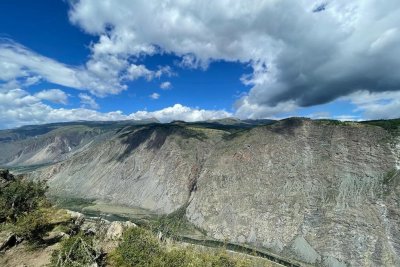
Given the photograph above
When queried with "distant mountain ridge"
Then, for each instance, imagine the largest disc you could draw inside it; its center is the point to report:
(324, 192)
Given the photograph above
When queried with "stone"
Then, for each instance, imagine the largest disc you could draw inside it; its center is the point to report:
(115, 231)
(117, 228)
(78, 217)
(305, 251)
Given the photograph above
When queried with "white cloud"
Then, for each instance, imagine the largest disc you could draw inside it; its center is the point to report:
(18, 61)
(10, 70)
(166, 85)
(102, 75)
(31, 81)
(250, 110)
(180, 112)
(299, 56)
(16, 98)
(87, 101)
(154, 96)
(53, 95)
(385, 105)
(18, 107)
(136, 71)
(347, 118)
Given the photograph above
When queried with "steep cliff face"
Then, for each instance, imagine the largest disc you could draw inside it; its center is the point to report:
(153, 167)
(325, 193)
(315, 192)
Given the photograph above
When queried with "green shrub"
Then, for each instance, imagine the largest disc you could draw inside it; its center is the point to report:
(190, 257)
(176, 258)
(171, 224)
(139, 247)
(76, 251)
(389, 125)
(331, 122)
(32, 226)
(20, 197)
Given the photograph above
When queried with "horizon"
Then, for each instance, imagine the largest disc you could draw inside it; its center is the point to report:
(190, 122)
(89, 60)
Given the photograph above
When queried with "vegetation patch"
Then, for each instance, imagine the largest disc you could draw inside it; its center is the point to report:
(140, 247)
(133, 139)
(77, 204)
(390, 181)
(19, 197)
(78, 250)
(173, 224)
(333, 122)
(389, 125)
(25, 211)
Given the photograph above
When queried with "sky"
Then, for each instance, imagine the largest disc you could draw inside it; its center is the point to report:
(66, 60)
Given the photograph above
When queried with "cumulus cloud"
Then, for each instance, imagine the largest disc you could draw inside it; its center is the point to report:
(303, 53)
(180, 112)
(53, 95)
(166, 85)
(88, 101)
(18, 107)
(375, 105)
(136, 71)
(154, 96)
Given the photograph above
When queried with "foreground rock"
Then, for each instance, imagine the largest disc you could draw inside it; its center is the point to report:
(116, 229)
(17, 252)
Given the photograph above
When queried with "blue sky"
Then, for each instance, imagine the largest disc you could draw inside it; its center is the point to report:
(112, 60)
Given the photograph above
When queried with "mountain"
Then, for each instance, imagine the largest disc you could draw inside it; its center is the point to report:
(49, 143)
(323, 192)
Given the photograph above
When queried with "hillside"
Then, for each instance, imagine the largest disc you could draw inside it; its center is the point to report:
(322, 192)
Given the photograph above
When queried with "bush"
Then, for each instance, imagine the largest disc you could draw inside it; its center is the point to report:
(389, 125)
(190, 257)
(171, 224)
(78, 250)
(23, 204)
(20, 197)
(32, 226)
(139, 247)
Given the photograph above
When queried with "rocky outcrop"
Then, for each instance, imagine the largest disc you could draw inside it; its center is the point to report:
(305, 190)
(117, 228)
(324, 193)
(152, 167)
(5, 177)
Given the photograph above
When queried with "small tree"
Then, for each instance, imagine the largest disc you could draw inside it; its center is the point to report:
(78, 250)
(20, 197)
(32, 226)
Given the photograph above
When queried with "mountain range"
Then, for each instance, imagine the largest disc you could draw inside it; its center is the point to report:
(322, 192)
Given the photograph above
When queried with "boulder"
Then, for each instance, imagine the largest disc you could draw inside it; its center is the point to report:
(5, 177)
(9, 240)
(116, 229)
(78, 217)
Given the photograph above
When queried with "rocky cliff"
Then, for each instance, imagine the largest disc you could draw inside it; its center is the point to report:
(323, 192)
